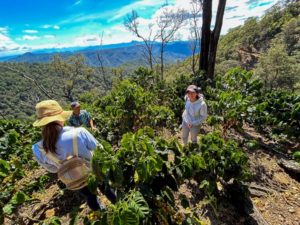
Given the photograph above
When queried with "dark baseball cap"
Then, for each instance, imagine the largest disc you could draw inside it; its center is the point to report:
(75, 104)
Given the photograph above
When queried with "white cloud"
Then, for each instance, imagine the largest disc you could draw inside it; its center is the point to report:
(48, 36)
(234, 18)
(7, 45)
(145, 23)
(114, 38)
(30, 31)
(86, 40)
(47, 26)
(77, 2)
(30, 37)
(3, 30)
(4, 39)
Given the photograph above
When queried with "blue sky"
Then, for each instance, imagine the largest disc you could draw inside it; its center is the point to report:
(27, 25)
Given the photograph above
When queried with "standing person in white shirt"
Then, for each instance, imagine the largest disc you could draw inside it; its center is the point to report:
(194, 114)
(60, 143)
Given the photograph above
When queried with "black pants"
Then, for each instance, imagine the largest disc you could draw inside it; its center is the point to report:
(91, 198)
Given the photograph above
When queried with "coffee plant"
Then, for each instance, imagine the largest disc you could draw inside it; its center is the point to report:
(278, 112)
(142, 164)
(231, 98)
(16, 140)
(127, 108)
(238, 97)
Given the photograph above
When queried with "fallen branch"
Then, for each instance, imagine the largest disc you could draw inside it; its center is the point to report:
(269, 147)
(291, 166)
(259, 191)
(254, 213)
(3, 116)
(25, 216)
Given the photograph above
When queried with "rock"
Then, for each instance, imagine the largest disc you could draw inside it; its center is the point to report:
(281, 218)
(50, 213)
(291, 210)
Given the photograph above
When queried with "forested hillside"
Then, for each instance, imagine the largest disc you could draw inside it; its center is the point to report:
(19, 90)
(260, 44)
(244, 169)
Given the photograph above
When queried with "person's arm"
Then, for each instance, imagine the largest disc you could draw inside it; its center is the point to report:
(89, 119)
(203, 115)
(42, 160)
(89, 140)
(92, 124)
(186, 114)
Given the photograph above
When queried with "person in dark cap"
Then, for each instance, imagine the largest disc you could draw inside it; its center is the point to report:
(80, 117)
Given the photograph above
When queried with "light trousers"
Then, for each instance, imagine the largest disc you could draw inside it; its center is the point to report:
(194, 130)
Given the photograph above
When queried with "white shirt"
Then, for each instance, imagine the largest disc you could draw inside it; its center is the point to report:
(195, 112)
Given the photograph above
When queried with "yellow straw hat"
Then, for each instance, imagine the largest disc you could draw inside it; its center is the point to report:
(48, 111)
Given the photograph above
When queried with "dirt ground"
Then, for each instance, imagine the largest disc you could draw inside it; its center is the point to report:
(281, 204)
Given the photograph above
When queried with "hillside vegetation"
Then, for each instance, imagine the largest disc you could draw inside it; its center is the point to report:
(147, 168)
(259, 45)
(243, 170)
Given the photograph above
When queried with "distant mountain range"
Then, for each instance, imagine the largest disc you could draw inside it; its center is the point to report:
(113, 55)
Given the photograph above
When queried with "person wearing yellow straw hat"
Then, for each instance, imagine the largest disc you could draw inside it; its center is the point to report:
(60, 143)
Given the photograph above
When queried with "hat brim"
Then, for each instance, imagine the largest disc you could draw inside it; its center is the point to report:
(190, 90)
(75, 106)
(65, 115)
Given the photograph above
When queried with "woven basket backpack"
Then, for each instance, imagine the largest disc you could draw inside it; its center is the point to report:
(74, 170)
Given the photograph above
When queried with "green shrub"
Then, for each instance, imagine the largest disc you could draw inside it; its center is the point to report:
(127, 108)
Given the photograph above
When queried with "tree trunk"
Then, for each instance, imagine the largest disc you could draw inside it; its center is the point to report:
(210, 39)
(3, 116)
(162, 62)
(194, 56)
(215, 35)
(205, 35)
(150, 60)
(194, 62)
(148, 53)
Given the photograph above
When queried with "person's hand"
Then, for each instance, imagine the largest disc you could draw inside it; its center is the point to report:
(190, 125)
(94, 128)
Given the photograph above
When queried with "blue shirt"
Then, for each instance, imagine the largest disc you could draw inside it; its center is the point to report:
(64, 147)
(82, 119)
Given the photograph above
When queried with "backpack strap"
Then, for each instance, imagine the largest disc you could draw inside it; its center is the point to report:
(75, 143)
(52, 157)
(49, 155)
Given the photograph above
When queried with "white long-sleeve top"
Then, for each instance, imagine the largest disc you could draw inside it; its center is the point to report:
(195, 112)
(64, 147)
